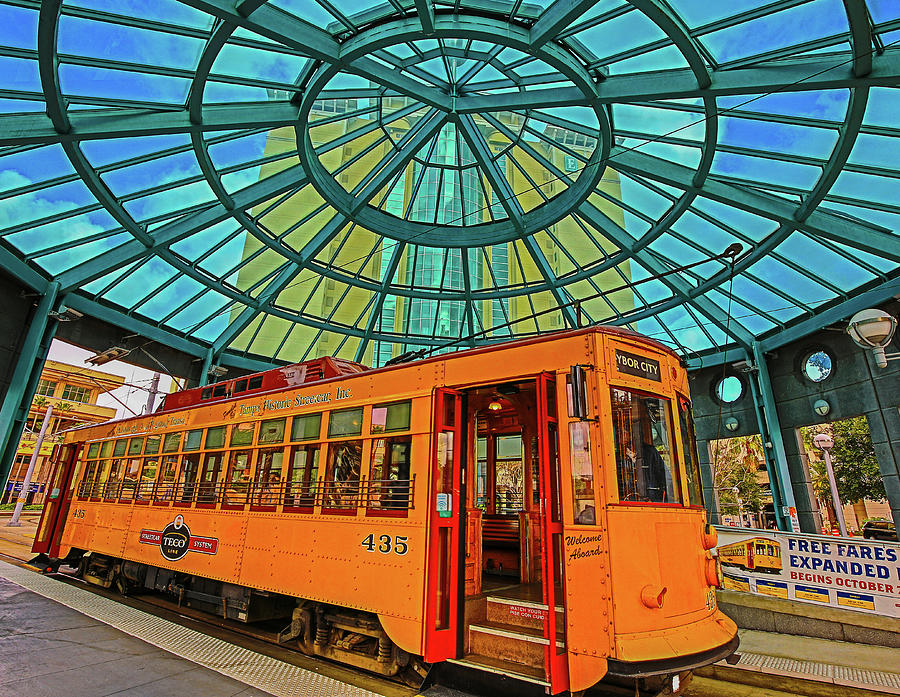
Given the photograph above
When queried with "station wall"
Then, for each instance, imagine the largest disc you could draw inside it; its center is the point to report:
(855, 387)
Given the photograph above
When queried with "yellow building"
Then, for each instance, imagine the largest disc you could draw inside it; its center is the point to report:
(465, 199)
(73, 393)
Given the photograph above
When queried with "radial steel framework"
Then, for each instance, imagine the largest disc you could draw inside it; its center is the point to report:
(254, 180)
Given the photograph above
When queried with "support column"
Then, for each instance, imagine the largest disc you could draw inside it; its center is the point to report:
(773, 444)
(884, 427)
(17, 401)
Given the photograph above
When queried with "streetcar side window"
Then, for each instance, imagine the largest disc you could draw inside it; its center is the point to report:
(346, 422)
(121, 445)
(215, 438)
(172, 443)
(242, 434)
(135, 445)
(342, 474)
(306, 427)
(166, 486)
(303, 471)
(643, 446)
(272, 431)
(691, 460)
(237, 483)
(390, 417)
(268, 477)
(152, 445)
(148, 477)
(390, 483)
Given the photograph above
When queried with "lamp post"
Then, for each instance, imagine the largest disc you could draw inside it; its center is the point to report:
(825, 443)
(26, 483)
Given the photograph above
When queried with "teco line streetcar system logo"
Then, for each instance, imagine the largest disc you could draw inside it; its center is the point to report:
(632, 364)
(176, 540)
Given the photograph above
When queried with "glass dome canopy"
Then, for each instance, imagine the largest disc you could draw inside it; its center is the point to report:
(296, 178)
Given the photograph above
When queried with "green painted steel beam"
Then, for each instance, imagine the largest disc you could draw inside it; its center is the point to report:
(546, 270)
(23, 380)
(94, 124)
(860, 36)
(773, 425)
(425, 8)
(815, 73)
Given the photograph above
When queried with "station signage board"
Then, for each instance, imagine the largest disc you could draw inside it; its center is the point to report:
(843, 572)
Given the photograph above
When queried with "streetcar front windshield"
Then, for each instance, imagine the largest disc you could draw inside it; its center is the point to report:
(643, 440)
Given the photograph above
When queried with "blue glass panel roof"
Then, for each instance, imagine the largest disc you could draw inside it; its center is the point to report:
(309, 177)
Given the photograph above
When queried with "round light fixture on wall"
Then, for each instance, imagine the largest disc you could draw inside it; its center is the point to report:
(732, 423)
(873, 329)
(821, 407)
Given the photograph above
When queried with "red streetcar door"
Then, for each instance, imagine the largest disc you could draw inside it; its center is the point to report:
(59, 496)
(442, 598)
(555, 658)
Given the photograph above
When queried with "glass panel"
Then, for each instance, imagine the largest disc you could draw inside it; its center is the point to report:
(148, 477)
(165, 490)
(304, 469)
(267, 491)
(347, 422)
(209, 476)
(172, 442)
(481, 474)
(509, 474)
(643, 448)
(215, 437)
(306, 427)
(342, 474)
(93, 450)
(242, 434)
(193, 440)
(391, 417)
(130, 478)
(135, 445)
(272, 431)
(582, 474)
(187, 482)
(121, 446)
(151, 447)
(238, 479)
(691, 460)
(390, 476)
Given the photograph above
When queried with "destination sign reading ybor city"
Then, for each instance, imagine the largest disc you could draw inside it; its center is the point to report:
(632, 364)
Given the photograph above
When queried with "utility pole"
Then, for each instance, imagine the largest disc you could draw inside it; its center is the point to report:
(23, 494)
(151, 398)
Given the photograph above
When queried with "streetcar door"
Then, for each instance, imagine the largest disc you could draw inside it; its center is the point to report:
(56, 506)
(445, 501)
(555, 659)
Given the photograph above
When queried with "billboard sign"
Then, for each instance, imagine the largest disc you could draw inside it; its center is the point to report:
(843, 572)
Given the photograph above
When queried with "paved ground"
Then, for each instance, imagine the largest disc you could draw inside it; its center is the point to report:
(16, 542)
(51, 650)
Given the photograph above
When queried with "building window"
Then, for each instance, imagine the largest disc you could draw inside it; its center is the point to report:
(74, 393)
(46, 388)
(818, 366)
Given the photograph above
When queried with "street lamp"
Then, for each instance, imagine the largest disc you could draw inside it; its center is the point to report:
(873, 329)
(825, 443)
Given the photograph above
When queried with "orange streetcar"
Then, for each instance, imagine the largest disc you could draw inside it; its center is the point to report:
(531, 509)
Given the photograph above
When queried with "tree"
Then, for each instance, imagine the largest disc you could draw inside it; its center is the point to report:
(855, 463)
(736, 463)
(856, 470)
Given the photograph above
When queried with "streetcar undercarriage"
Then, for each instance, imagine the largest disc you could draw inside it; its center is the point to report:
(348, 636)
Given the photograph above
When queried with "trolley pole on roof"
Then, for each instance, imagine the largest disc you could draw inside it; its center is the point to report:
(154, 389)
(26, 484)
